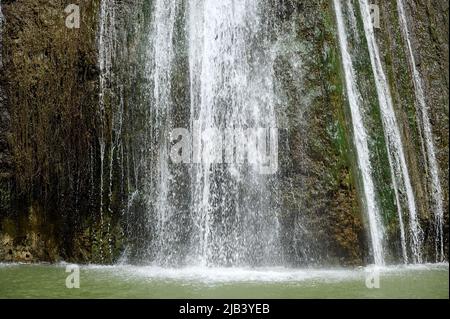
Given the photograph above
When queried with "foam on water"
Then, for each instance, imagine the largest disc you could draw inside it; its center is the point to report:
(213, 275)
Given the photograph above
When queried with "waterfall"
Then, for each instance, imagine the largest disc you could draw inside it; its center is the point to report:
(397, 160)
(361, 142)
(232, 218)
(160, 69)
(229, 90)
(106, 51)
(436, 190)
(209, 68)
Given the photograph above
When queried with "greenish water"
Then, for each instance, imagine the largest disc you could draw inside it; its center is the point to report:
(49, 281)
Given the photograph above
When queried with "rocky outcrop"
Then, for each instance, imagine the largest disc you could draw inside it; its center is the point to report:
(428, 23)
(50, 84)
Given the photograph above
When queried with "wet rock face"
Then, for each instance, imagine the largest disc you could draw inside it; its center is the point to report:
(322, 222)
(428, 25)
(431, 29)
(28, 238)
(48, 143)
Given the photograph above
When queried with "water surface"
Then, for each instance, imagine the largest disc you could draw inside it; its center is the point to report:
(124, 281)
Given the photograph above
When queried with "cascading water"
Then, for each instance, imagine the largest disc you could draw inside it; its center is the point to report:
(397, 160)
(232, 219)
(230, 90)
(436, 190)
(160, 70)
(361, 142)
(106, 45)
(216, 70)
